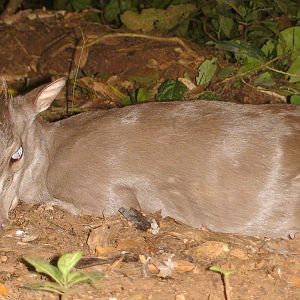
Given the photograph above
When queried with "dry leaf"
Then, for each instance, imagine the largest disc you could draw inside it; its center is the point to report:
(3, 290)
(184, 266)
(188, 83)
(104, 235)
(131, 244)
(153, 269)
(117, 264)
(106, 251)
(107, 91)
(81, 54)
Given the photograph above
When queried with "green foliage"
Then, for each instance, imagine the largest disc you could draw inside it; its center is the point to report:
(62, 275)
(264, 79)
(72, 5)
(2, 4)
(154, 18)
(242, 51)
(142, 95)
(295, 99)
(218, 269)
(206, 71)
(114, 8)
(161, 3)
(295, 70)
(225, 275)
(171, 90)
(226, 72)
(209, 96)
(289, 41)
(260, 37)
(137, 96)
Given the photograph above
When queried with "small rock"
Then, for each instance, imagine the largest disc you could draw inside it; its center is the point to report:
(209, 250)
(239, 253)
(139, 296)
(184, 266)
(180, 297)
(3, 258)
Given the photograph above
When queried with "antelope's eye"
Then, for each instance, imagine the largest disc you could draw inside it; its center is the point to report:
(18, 154)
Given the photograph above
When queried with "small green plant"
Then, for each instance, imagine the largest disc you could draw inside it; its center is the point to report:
(171, 90)
(206, 71)
(225, 277)
(62, 276)
(137, 96)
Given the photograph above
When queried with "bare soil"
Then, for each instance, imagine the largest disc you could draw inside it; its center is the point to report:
(262, 268)
(38, 46)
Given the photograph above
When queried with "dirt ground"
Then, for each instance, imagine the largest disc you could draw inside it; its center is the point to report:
(262, 269)
(108, 64)
(172, 263)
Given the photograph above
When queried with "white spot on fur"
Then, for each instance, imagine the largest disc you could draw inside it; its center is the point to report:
(131, 117)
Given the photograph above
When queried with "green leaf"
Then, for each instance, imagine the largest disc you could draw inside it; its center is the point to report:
(295, 99)
(45, 268)
(269, 48)
(79, 5)
(60, 4)
(264, 79)
(112, 11)
(220, 270)
(67, 261)
(283, 91)
(182, 29)
(46, 286)
(295, 87)
(94, 276)
(295, 69)
(209, 96)
(226, 25)
(142, 95)
(206, 71)
(240, 9)
(288, 7)
(93, 17)
(208, 8)
(62, 275)
(226, 72)
(248, 66)
(270, 25)
(171, 90)
(259, 35)
(126, 101)
(160, 3)
(241, 49)
(78, 277)
(290, 38)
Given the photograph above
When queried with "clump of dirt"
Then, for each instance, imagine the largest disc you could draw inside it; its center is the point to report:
(172, 263)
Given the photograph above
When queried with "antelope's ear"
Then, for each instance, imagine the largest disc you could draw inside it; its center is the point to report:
(42, 97)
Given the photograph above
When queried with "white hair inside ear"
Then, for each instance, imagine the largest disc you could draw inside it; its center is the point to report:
(49, 93)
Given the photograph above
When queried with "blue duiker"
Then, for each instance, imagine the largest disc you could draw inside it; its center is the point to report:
(229, 167)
